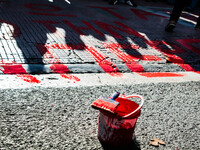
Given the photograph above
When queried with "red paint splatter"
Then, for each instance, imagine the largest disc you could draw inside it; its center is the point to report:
(59, 68)
(160, 74)
(70, 77)
(29, 78)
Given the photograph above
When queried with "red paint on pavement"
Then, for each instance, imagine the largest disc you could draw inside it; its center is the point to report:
(188, 44)
(142, 14)
(12, 69)
(104, 63)
(125, 46)
(133, 47)
(18, 69)
(47, 54)
(174, 59)
(59, 68)
(70, 77)
(127, 59)
(108, 9)
(187, 67)
(51, 14)
(48, 24)
(170, 54)
(57, 46)
(29, 78)
(166, 47)
(147, 57)
(160, 74)
(42, 7)
(109, 28)
(79, 30)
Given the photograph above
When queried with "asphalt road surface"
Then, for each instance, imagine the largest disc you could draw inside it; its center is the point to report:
(61, 118)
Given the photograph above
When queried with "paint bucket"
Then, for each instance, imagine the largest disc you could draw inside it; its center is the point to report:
(118, 129)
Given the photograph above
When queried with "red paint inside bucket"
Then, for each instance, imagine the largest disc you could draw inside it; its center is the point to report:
(126, 106)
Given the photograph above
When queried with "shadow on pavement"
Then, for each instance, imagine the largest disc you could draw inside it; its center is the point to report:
(134, 145)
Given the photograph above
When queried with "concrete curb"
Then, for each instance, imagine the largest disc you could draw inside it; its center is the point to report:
(81, 68)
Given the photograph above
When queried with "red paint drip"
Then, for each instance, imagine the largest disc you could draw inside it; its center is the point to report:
(160, 74)
(70, 77)
(29, 78)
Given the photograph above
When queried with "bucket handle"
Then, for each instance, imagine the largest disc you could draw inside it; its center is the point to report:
(140, 106)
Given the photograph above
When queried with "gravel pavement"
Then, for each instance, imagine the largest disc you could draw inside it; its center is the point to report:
(61, 118)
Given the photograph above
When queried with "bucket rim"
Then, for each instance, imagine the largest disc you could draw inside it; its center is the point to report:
(136, 110)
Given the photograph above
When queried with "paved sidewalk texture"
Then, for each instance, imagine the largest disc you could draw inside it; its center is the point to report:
(93, 36)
